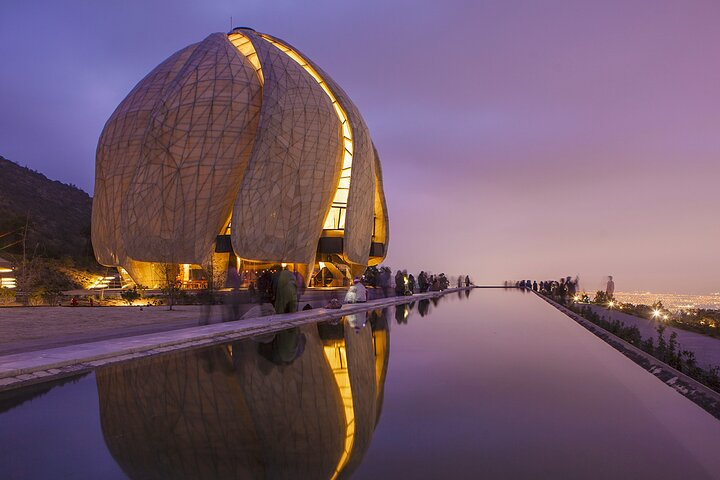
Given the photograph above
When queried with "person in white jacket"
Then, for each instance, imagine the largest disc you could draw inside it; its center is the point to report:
(361, 291)
(357, 293)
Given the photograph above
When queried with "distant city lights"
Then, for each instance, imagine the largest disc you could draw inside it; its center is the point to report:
(675, 302)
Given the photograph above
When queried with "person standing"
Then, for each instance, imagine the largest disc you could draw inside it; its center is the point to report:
(610, 288)
(385, 281)
(286, 293)
(570, 288)
(423, 281)
(399, 284)
(300, 285)
(360, 291)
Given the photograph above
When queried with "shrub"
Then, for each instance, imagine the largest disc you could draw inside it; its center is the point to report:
(7, 296)
(129, 296)
(36, 297)
(601, 297)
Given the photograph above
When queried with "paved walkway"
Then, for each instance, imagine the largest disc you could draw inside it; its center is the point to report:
(24, 329)
(34, 366)
(707, 349)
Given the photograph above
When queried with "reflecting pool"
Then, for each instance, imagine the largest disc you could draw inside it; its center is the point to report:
(484, 384)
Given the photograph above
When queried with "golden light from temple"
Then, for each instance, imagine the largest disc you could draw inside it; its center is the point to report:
(246, 48)
(335, 219)
(336, 356)
(270, 119)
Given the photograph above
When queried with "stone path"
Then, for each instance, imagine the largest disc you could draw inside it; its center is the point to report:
(24, 329)
(707, 349)
(31, 367)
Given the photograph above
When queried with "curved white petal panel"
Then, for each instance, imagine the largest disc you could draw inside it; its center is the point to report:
(118, 156)
(193, 156)
(382, 223)
(360, 202)
(293, 171)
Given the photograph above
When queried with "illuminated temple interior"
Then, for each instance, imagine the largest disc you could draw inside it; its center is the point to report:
(7, 274)
(330, 232)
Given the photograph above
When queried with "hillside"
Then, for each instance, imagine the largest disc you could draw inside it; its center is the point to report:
(57, 217)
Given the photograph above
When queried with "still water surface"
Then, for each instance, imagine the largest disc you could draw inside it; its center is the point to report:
(495, 385)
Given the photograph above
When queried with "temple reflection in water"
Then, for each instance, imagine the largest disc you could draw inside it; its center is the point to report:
(302, 403)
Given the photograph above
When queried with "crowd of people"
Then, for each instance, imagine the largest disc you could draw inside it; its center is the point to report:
(561, 290)
(403, 283)
(279, 290)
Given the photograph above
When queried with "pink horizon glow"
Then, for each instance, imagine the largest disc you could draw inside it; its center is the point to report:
(518, 139)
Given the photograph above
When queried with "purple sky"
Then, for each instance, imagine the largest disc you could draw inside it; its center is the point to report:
(518, 139)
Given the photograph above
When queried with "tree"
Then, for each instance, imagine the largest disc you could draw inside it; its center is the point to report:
(169, 286)
(662, 347)
(215, 272)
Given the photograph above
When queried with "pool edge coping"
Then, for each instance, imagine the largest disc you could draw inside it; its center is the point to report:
(38, 371)
(701, 395)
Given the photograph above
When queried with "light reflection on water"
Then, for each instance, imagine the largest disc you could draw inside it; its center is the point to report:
(302, 403)
(500, 386)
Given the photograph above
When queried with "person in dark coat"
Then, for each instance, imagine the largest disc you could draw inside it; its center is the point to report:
(423, 281)
(399, 284)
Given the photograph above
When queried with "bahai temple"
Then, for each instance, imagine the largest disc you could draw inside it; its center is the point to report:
(238, 152)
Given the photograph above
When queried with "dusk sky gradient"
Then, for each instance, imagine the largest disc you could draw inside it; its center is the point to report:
(518, 139)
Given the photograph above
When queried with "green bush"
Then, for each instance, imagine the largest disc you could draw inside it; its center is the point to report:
(7, 296)
(36, 297)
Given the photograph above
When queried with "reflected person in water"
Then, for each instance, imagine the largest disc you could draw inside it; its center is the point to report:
(401, 314)
(424, 307)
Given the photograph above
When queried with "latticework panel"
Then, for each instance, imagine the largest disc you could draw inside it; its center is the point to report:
(193, 156)
(361, 370)
(118, 156)
(230, 412)
(243, 124)
(382, 222)
(292, 174)
(359, 218)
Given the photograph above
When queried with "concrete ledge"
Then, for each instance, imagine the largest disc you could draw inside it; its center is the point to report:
(704, 397)
(21, 369)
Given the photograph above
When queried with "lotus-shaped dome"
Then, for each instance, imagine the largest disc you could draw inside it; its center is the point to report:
(239, 134)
